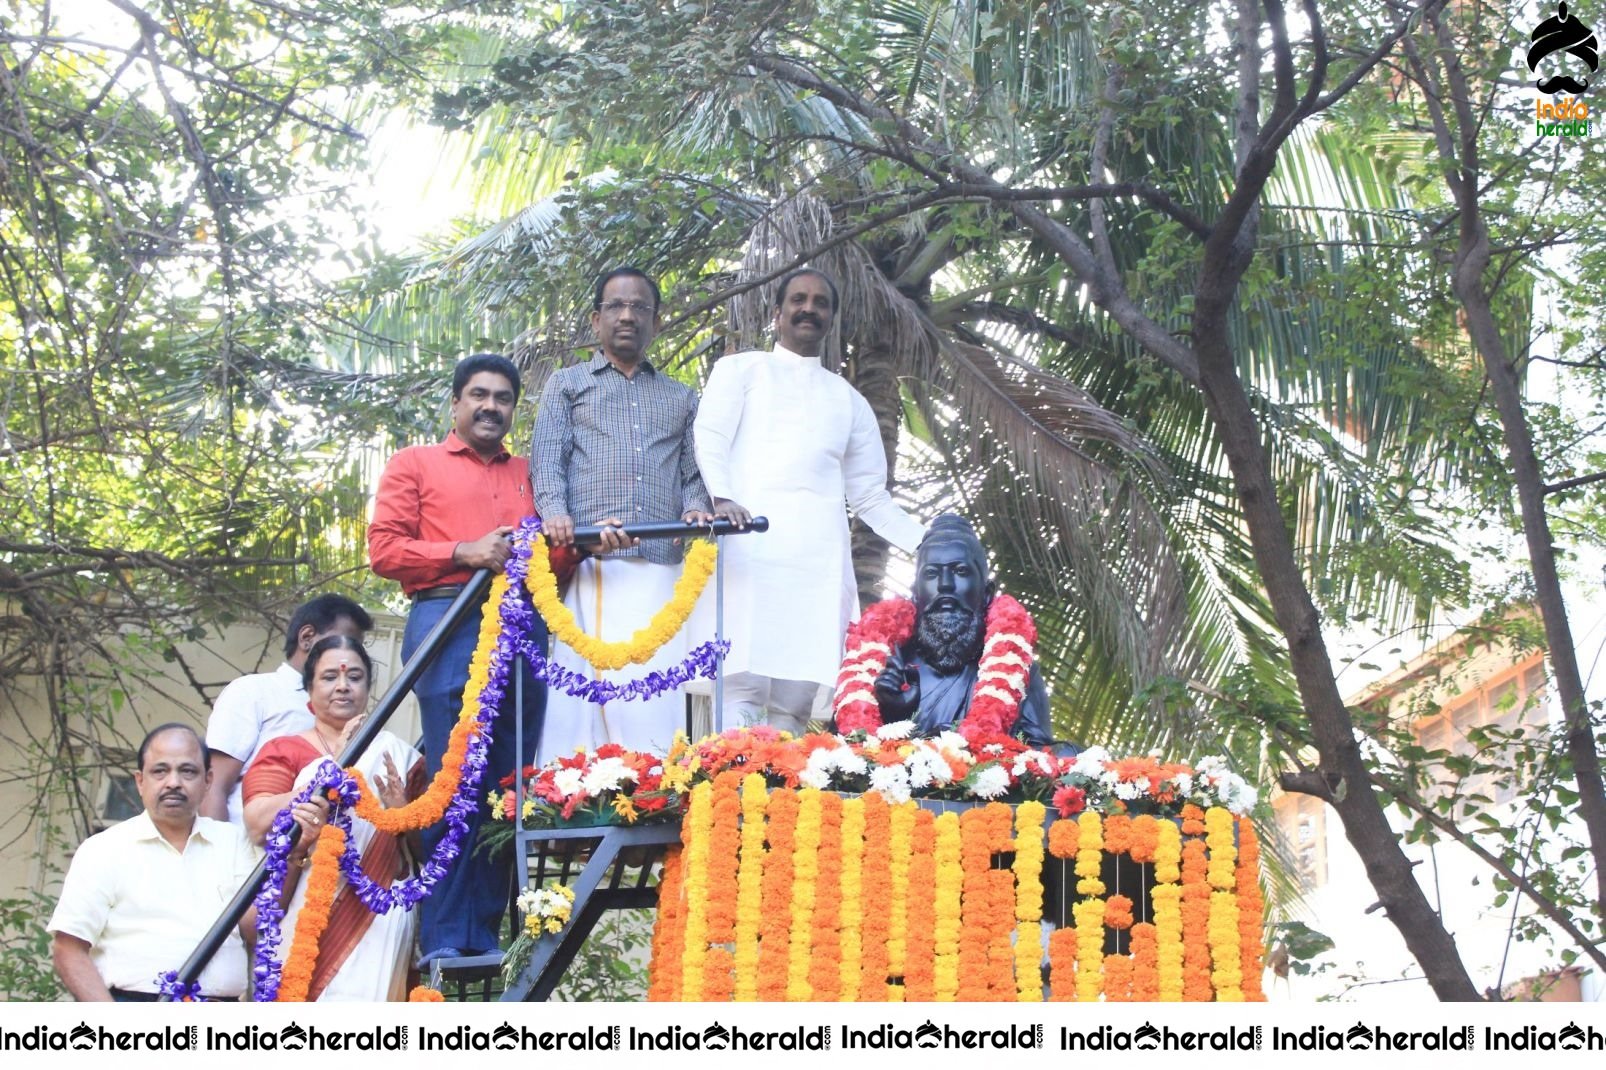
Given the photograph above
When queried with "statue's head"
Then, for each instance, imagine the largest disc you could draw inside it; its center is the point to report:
(951, 592)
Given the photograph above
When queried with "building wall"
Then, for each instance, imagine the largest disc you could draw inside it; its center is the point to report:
(38, 836)
(1437, 696)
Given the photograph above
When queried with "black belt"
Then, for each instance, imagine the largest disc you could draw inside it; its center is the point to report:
(124, 995)
(445, 590)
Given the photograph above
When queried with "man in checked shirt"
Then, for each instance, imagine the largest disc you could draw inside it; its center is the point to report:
(613, 444)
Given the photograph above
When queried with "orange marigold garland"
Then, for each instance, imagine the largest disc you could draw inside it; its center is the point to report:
(663, 972)
(1118, 912)
(424, 994)
(975, 934)
(1251, 907)
(824, 968)
(773, 949)
(876, 870)
(1064, 838)
(323, 881)
(1145, 963)
(1062, 965)
(723, 856)
(1117, 978)
(1145, 837)
(1196, 985)
(919, 976)
(1001, 907)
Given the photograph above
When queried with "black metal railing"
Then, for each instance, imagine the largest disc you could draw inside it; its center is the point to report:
(467, 601)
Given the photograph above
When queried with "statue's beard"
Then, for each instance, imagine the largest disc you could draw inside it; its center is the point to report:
(950, 638)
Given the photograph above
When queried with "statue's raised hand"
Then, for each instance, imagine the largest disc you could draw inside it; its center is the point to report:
(897, 689)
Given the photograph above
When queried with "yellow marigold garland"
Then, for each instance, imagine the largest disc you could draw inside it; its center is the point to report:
(900, 848)
(1089, 916)
(1028, 867)
(950, 879)
(1089, 854)
(640, 647)
(323, 881)
(696, 840)
(805, 877)
(852, 959)
(750, 888)
(1226, 955)
(1166, 896)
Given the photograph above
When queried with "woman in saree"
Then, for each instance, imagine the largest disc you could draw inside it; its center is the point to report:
(363, 956)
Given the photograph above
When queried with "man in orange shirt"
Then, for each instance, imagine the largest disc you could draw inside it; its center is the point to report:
(441, 513)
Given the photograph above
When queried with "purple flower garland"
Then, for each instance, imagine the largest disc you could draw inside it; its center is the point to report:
(516, 620)
(513, 639)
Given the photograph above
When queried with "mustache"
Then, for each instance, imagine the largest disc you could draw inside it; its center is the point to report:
(489, 417)
(807, 317)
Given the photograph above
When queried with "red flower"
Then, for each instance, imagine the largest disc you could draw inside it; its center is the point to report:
(1070, 801)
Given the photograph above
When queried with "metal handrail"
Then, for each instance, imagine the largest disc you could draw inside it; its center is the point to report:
(466, 601)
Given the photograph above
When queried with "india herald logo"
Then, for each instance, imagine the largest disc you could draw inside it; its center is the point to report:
(1562, 36)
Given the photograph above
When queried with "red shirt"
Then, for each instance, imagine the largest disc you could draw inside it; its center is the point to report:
(433, 497)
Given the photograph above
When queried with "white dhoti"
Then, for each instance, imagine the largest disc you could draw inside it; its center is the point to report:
(611, 598)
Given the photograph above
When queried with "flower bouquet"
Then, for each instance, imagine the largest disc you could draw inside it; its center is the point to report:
(608, 786)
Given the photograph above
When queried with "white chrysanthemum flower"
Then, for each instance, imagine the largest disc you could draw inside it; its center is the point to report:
(607, 774)
(1032, 761)
(952, 741)
(993, 749)
(891, 781)
(567, 781)
(896, 730)
(846, 762)
(1184, 783)
(1091, 762)
(927, 768)
(990, 782)
(1127, 790)
(817, 771)
(528, 900)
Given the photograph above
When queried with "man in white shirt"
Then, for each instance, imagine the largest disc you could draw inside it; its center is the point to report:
(779, 436)
(266, 705)
(140, 896)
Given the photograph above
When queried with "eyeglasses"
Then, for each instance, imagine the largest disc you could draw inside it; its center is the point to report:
(616, 308)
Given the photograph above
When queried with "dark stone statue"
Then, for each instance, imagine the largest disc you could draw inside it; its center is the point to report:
(931, 677)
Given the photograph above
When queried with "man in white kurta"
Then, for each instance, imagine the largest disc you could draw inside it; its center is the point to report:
(779, 436)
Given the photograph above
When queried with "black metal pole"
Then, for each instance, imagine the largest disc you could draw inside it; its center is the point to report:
(461, 606)
(467, 600)
(670, 529)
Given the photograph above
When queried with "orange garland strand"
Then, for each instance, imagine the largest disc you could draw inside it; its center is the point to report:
(824, 977)
(773, 943)
(663, 972)
(1251, 907)
(876, 879)
(919, 979)
(323, 881)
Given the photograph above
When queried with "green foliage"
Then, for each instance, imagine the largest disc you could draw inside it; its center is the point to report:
(25, 971)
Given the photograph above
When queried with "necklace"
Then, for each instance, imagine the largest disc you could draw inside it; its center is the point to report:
(327, 749)
(1006, 660)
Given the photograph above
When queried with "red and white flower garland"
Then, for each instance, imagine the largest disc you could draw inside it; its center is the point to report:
(1006, 663)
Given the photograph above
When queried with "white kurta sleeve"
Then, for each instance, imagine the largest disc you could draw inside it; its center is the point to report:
(864, 477)
(719, 413)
